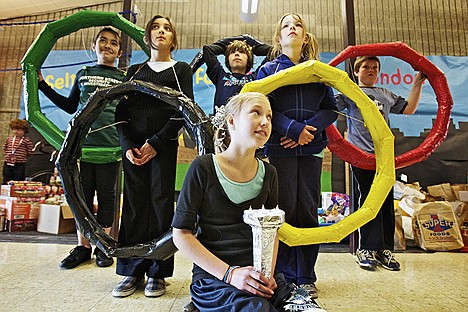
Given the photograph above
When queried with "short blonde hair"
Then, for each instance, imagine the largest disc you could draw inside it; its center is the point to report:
(222, 138)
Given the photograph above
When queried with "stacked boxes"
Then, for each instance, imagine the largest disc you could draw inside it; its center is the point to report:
(56, 219)
(55, 216)
(21, 202)
(335, 207)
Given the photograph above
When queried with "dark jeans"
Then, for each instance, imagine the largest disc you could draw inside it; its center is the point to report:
(15, 173)
(377, 234)
(215, 295)
(147, 212)
(299, 194)
(100, 179)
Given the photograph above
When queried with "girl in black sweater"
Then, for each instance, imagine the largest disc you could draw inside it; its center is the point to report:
(148, 132)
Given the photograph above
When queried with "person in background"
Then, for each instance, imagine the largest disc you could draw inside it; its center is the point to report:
(148, 130)
(98, 176)
(301, 113)
(239, 59)
(216, 192)
(376, 238)
(16, 150)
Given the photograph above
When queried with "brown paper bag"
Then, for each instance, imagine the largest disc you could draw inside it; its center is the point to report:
(442, 192)
(461, 213)
(435, 227)
(399, 238)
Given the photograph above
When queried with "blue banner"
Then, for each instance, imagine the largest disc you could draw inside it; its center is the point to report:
(396, 75)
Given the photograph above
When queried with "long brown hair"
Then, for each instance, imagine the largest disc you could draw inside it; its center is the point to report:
(310, 48)
(148, 27)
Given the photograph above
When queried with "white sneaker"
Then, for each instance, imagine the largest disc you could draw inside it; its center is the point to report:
(300, 300)
(127, 286)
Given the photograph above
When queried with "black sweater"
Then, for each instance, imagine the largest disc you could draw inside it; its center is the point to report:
(150, 119)
(221, 228)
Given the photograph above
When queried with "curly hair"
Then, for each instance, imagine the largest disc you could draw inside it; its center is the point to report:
(19, 124)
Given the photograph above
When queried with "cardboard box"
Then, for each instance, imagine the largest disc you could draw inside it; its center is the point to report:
(55, 219)
(334, 200)
(21, 225)
(34, 211)
(17, 209)
(27, 190)
(2, 219)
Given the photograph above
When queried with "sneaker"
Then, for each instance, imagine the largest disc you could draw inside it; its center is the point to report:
(311, 290)
(190, 307)
(155, 287)
(127, 286)
(102, 260)
(300, 300)
(77, 256)
(366, 259)
(387, 260)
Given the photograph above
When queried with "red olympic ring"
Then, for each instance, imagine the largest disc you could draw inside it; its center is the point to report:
(355, 156)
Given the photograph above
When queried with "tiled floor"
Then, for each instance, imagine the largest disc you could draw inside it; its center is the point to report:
(30, 280)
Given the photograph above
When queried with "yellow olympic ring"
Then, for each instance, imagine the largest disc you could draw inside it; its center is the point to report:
(315, 71)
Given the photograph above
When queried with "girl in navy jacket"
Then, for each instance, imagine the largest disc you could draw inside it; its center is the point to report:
(301, 113)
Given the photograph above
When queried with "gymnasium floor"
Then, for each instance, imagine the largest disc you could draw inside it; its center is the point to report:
(31, 280)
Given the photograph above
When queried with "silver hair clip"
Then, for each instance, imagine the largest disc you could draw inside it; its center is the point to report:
(220, 127)
(219, 118)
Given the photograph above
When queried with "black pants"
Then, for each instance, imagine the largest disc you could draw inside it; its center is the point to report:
(377, 234)
(299, 194)
(215, 295)
(100, 179)
(15, 173)
(147, 212)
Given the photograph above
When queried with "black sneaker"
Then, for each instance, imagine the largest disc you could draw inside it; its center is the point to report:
(77, 256)
(386, 259)
(366, 259)
(190, 307)
(102, 260)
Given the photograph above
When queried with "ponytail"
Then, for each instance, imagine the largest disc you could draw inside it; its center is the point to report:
(310, 49)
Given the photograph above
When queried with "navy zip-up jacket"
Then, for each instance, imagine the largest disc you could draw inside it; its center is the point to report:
(296, 106)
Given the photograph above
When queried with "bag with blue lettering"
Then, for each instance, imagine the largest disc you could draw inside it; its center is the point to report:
(435, 227)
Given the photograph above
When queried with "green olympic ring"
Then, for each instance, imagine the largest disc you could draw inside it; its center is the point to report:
(37, 53)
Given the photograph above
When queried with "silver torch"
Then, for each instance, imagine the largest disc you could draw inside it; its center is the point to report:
(265, 223)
